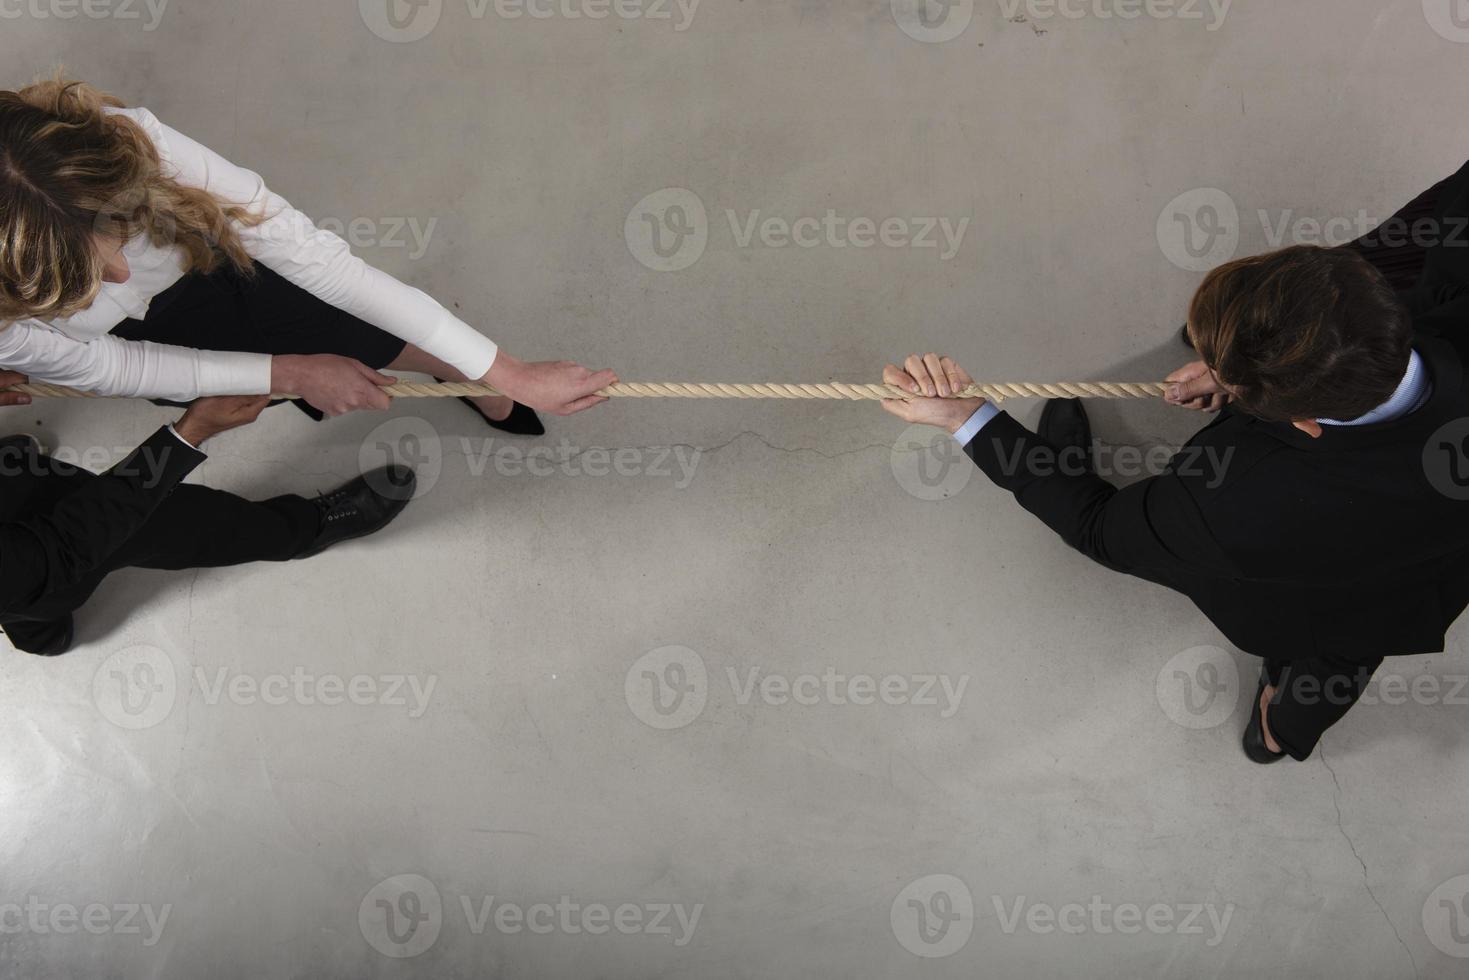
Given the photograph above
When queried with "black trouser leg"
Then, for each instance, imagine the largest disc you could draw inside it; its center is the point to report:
(197, 527)
(1312, 695)
(262, 313)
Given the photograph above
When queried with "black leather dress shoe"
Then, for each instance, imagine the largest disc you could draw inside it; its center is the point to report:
(44, 639)
(522, 420)
(1254, 740)
(362, 507)
(1065, 425)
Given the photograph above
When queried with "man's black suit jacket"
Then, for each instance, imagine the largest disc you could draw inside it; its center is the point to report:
(1355, 544)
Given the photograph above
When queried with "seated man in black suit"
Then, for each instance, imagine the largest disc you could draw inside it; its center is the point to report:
(63, 529)
(1336, 531)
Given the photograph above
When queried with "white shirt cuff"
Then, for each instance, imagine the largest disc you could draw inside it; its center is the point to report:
(977, 421)
(182, 439)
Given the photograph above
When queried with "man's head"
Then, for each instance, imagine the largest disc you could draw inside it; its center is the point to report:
(1302, 334)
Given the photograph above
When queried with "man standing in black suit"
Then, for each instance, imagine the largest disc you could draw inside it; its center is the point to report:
(63, 529)
(1333, 529)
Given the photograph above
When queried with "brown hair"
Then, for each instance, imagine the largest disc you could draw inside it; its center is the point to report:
(1302, 333)
(70, 172)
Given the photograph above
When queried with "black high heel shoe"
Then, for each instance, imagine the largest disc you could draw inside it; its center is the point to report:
(1254, 737)
(522, 420)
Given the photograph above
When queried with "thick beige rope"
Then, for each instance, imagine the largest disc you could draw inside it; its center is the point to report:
(831, 391)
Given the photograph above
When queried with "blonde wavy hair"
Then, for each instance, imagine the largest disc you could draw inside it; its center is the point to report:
(69, 173)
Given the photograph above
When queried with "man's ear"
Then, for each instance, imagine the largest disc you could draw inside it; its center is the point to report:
(1310, 427)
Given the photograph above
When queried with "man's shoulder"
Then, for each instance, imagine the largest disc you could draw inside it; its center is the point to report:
(1226, 455)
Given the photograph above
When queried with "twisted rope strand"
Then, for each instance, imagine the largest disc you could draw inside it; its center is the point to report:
(833, 391)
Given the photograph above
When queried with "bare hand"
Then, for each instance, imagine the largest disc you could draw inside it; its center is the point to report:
(329, 383)
(938, 378)
(208, 417)
(1195, 387)
(557, 387)
(7, 379)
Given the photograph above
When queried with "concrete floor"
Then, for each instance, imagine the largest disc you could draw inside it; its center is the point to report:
(623, 688)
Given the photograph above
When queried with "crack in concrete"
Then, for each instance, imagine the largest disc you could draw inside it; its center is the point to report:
(789, 449)
(1366, 883)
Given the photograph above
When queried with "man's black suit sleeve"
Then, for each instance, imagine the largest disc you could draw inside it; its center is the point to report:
(1152, 529)
(58, 548)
